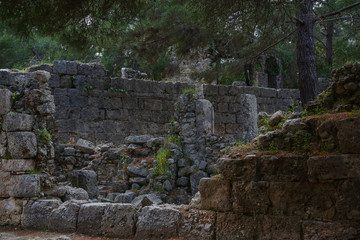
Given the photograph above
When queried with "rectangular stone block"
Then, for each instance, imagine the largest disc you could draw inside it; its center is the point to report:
(211, 90)
(280, 228)
(251, 197)
(5, 183)
(238, 169)
(224, 117)
(348, 200)
(90, 218)
(10, 212)
(4, 77)
(25, 186)
(268, 92)
(348, 132)
(215, 194)
(18, 122)
(22, 144)
(5, 101)
(120, 114)
(16, 165)
(330, 230)
(65, 67)
(334, 167)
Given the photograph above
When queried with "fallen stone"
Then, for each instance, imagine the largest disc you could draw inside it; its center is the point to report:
(85, 146)
(86, 179)
(276, 118)
(136, 171)
(147, 200)
(127, 197)
(72, 193)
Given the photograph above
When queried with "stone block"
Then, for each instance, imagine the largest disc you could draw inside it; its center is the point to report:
(137, 139)
(157, 223)
(10, 212)
(22, 144)
(64, 218)
(85, 179)
(251, 197)
(18, 122)
(4, 78)
(92, 69)
(26, 186)
(198, 224)
(225, 118)
(16, 165)
(85, 146)
(119, 221)
(195, 180)
(239, 169)
(204, 117)
(316, 201)
(65, 67)
(36, 213)
(280, 228)
(334, 167)
(90, 218)
(5, 101)
(72, 193)
(348, 200)
(348, 132)
(5, 184)
(230, 226)
(127, 197)
(329, 230)
(268, 92)
(215, 194)
(66, 81)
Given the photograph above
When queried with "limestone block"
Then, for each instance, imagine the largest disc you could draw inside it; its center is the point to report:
(25, 185)
(198, 224)
(16, 165)
(5, 101)
(204, 117)
(18, 122)
(46, 108)
(85, 146)
(42, 76)
(10, 212)
(64, 218)
(72, 193)
(156, 222)
(90, 218)
(334, 167)
(147, 200)
(215, 194)
(240, 169)
(119, 221)
(92, 69)
(251, 197)
(22, 144)
(136, 171)
(137, 139)
(4, 78)
(43, 67)
(329, 230)
(86, 179)
(3, 144)
(280, 227)
(348, 133)
(36, 213)
(65, 67)
(5, 183)
(127, 197)
(195, 180)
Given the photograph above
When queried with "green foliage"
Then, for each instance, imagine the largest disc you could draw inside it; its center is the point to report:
(162, 165)
(188, 91)
(157, 188)
(15, 96)
(88, 88)
(36, 171)
(123, 160)
(44, 135)
(173, 138)
(120, 90)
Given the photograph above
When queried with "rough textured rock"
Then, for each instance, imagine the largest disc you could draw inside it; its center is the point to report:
(195, 180)
(137, 139)
(204, 116)
(147, 200)
(127, 197)
(90, 217)
(329, 231)
(348, 134)
(5, 183)
(198, 224)
(136, 171)
(215, 194)
(65, 67)
(16, 165)
(119, 221)
(26, 186)
(35, 214)
(280, 227)
(18, 122)
(86, 179)
(10, 211)
(64, 218)
(157, 223)
(5, 101)
(72, 193)
(276, 118)
(241, 169)
(22, 144)
(85, 146)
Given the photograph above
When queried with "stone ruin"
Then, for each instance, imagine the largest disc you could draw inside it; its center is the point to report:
(78, 150)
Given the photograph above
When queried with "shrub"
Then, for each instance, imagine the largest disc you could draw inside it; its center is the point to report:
(162, 165)
(44, 135)
(188, 90)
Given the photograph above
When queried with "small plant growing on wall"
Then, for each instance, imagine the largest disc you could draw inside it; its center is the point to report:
(162, 165)
(44, 135)
(15, 96)
(88, 88)
(188, 90)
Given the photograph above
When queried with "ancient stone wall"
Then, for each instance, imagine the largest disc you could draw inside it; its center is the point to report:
(91, 105)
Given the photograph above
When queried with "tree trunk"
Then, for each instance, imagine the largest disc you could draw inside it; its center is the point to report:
(305, 47)
(329, 42)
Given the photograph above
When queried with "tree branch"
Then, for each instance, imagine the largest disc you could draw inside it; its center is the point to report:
(337, 11)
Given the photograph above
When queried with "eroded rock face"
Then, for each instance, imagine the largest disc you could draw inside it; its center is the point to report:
(119, 221)
(10, 211)
(22, 144)
(25, 186)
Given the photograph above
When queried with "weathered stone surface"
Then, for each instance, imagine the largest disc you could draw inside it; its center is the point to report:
(86, 179)
(22, 144)
(147, 200)
(16, 165)
(215, 194)
(36, 213)
(157, 223)
(72, 193)
(329, 231)
(204, 116)
(240, 169)
(182, 181)
(348, 132)
(280, 227)
(65, 67)
(85, 146)
(294, 125)
(42, 76)
(119, 221)
(25, 185)
(127, 197)
(137, 139)
(93, 69)
(195, 180)
(276, 118)
(64, 218)
(136, 171)
(230, 226)
(251, 197)
(90, 218)
(5, 101)
(198, 224)
(18, 122)
(10, 212)
(5, 183)
(348, 200)
(334, 167)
